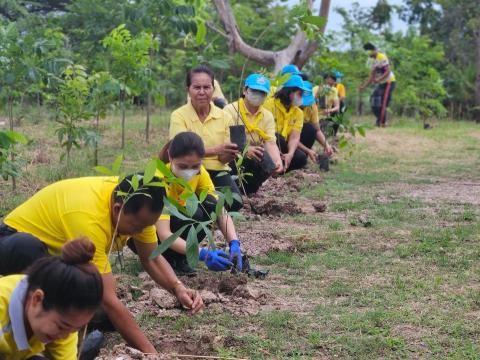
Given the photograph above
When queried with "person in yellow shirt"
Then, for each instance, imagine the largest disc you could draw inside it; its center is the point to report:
(342, 92)
(285, 107)
(212, 124)
(184, 157)
(93, 207)
(42, 311)
(382, 75)
(311, 126)
(260, 130)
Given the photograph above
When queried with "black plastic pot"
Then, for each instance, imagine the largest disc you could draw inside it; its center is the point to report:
(238, 136)
(267, 163)
(324, 162)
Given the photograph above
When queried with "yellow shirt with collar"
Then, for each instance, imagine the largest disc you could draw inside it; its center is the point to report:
(378, 64)
(197, 184)
(293, 118)
(215, 130)
(74, 208)
(341, 90)
(14, 344)
(310, 114)
(267, 123)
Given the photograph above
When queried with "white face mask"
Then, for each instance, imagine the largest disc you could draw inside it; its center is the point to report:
(297, 100)
(186, 174)
(255, 98)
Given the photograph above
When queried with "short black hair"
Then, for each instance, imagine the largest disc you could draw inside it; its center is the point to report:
(330, 75)
(369, 46)
(205, 69)
(186, 143)
(284, 95)
(150, 196)
(304, 76)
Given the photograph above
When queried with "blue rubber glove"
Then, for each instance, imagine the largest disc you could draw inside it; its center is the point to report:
(236, 253)
(216, 260)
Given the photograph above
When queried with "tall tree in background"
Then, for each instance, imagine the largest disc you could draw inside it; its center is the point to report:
(298, 51)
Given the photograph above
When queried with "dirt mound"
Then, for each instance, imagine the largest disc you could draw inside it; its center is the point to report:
(272, 206)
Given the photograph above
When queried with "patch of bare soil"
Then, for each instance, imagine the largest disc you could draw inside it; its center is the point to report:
(413, 336)
(455, 191)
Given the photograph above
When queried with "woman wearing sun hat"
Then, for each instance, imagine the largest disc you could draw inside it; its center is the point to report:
(311, 126)
(285, 107)
(260, 130)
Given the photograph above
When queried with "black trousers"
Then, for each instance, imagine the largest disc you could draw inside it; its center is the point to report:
(18, 250)
(379, 101)
(299, 159)
(202, 214)
(253, 182)
(225, 180)
(308, 135)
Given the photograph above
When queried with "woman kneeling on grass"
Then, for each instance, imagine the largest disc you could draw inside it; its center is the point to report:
(185, 154)
(260, 128)
(41, 312)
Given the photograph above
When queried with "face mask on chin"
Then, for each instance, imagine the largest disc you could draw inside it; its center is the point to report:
(255, 98)
(186, 174)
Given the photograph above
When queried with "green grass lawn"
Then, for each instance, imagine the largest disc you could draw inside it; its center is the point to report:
(391, 270)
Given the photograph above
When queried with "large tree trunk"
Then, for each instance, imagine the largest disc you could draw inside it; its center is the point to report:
(298, 52)
(477, 79)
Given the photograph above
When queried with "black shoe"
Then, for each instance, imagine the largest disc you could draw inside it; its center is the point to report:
(182, 268)
(91, 345)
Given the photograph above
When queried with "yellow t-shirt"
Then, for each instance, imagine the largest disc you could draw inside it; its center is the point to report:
(285, 121)
(341, 90)
(330, 97)
(215, 130)
(266, 123)
(378, 65)
(73, 208)
(310, 114)
(197, 184)
(14, 344)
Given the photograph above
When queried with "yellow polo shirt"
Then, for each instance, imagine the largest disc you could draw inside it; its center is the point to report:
(310, 114)
(197, 184)
(341, 90)
(14, 344)
(378, 65)
(73, 208)
(285, 121)
(266, 123)
(215, 130)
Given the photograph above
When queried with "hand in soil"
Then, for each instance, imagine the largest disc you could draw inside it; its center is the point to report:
(255, 152)
(216, 260)
(287, 159)
(312, 155)
(189, 299)
(236, 254)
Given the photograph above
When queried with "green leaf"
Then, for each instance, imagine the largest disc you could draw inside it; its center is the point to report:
(162, 167)
(165, 244)
(103, 170)
(192, 247)
(203, 195)
(174, 211)
(150, 171)
(117, 164)
(201, 33)
(17, 137)
(135, 182)
(318, 21)
(342, 143)
(219, 206)
(236, 215)
(192, 205)
(361, 131)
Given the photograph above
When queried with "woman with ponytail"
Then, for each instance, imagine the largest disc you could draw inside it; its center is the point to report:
(42, 311)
